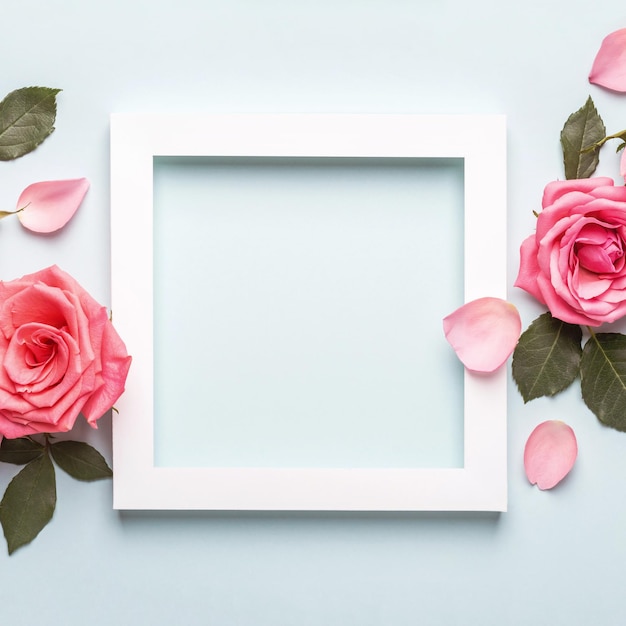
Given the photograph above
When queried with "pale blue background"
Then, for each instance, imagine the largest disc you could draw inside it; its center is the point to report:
(555, 557)
(294, 319)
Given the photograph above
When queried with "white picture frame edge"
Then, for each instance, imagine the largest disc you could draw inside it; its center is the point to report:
(480, 485)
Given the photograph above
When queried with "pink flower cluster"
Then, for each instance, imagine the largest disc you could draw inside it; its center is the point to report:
(575, 262)
(59, 355)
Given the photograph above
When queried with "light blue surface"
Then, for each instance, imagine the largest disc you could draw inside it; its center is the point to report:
(294, 319)
(555, 557)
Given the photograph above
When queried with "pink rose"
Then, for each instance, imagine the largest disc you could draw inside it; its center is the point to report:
(59, 355)
(575, 263)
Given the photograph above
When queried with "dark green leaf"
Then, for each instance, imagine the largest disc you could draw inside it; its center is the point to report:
(20, 451)
(80, 460)
(603, 378)
(547, 357)
(28, 502)
(26, 118)
(582, 129)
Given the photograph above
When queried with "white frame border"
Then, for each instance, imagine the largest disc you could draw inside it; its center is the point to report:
(480, 485)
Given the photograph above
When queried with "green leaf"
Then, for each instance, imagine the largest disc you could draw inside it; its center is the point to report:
(28, 502)
(546, 359)
(80, 460)
(603, 378)
(582, 129)
(26, 118)
(20, 451)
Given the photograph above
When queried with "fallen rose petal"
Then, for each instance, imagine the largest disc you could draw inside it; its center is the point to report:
(49, 205)
(483, 333)
(550, 453)
(609, 66)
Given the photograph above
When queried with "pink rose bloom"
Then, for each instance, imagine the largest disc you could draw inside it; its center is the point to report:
(575, 263)
(59, 355)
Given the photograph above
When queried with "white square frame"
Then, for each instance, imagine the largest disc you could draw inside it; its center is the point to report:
(480, 485)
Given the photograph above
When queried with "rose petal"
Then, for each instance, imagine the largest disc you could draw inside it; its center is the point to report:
(609, 66)
(49, 205)
(558, 188)
(550, 453)
(483, 333)
(529, 268)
